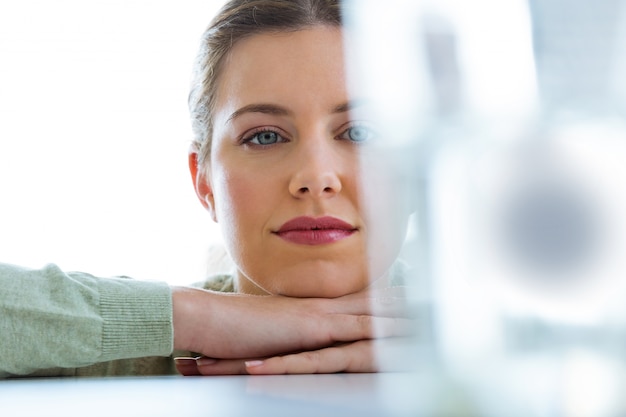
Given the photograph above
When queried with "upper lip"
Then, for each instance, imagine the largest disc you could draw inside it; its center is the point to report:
(312, 223)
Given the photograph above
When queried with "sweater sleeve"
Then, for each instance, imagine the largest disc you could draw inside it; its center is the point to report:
(50, 318)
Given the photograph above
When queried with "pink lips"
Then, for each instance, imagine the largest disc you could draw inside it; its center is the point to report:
(315, 231)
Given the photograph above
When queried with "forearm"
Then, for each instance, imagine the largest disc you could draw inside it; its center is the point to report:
(231, 326)
(185, 312)
(49, 318)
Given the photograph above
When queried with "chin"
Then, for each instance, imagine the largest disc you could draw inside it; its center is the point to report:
(314, 287)
(307, 279)
(318, 293)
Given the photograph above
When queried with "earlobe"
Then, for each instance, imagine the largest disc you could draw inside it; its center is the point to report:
(201, 183)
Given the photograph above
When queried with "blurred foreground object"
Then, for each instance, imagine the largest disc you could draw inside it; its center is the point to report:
(508, 118)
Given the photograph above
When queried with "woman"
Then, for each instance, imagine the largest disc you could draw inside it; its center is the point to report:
(282, 159)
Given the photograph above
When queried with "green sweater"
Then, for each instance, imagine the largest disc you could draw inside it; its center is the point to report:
(54, 323)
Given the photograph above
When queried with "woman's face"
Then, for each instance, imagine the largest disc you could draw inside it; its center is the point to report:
(285, 173)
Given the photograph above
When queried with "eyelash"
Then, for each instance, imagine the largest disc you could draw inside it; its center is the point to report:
(371, 132)
(248, 137)
(255, 133)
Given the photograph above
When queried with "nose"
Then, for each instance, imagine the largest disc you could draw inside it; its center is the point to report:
(317, 172)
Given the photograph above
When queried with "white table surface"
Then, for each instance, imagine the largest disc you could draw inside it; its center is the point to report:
(289, 395)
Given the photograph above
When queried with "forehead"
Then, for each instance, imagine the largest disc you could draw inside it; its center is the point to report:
(285, 67)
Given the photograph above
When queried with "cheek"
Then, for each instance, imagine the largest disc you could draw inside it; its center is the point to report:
(243, 206)
(386, 208)
(232, 196)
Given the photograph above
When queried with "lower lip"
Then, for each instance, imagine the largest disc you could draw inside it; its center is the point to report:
(315, 237)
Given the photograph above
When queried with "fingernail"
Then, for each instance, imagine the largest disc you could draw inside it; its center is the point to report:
(203, 361)
(252, 364)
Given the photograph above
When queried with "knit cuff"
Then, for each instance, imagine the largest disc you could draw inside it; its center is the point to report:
(137, 319)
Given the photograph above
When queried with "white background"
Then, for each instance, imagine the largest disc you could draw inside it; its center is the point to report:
(94, 133)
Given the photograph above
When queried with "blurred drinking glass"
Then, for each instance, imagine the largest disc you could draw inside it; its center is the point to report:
(508, 120)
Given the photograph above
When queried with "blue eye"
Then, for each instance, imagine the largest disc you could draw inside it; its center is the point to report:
(266, 137)
(358, 133)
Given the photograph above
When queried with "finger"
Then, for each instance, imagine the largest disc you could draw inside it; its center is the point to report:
(397, 301)
(399, 354)
(209, 366)
(353, 357)
(347, 328)
(186, 366)
(386, 302)
(395, 291)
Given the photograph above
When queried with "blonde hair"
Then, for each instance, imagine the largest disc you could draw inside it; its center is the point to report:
(237, 20)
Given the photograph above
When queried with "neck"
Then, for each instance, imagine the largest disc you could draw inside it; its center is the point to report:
(244, 285)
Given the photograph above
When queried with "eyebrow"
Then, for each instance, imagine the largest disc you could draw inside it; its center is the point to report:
(277, 110)
(259, 108)
(350, 105)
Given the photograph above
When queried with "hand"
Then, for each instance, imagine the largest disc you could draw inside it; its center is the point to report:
(382, 355)
(234, 326)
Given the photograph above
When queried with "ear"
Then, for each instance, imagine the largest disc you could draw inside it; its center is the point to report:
(202, 183)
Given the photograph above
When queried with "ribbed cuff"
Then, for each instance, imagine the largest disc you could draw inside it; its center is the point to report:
(137, 319)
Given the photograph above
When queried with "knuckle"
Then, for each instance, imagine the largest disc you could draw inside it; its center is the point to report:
(364, 322)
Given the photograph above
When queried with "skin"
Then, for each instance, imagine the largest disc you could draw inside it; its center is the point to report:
(294, 85)
(275, 324)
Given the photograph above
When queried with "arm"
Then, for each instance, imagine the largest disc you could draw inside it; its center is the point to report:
(49, 318)
(234, 326)
(350, 347)
(397, 354)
